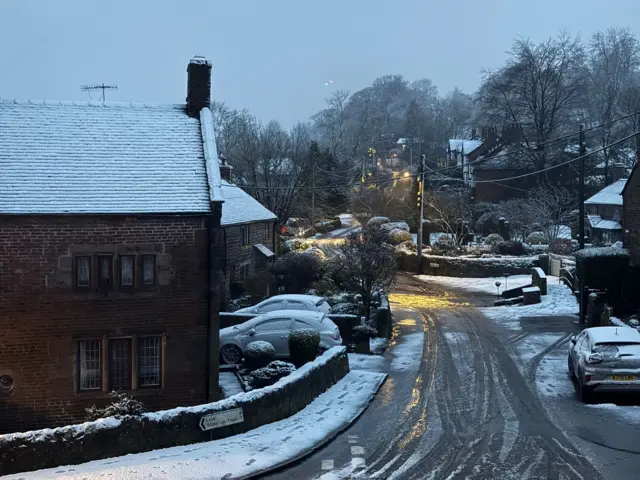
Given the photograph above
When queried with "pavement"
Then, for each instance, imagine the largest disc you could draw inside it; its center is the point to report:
(468, 409)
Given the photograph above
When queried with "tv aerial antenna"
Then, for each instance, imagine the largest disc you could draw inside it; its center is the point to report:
(98, 88)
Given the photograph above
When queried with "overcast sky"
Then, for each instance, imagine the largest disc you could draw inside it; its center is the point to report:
(272, 57)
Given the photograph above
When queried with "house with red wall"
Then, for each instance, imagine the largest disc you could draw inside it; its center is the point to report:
(111, 255)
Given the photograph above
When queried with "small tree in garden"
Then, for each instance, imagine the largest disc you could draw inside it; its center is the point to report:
(519, 216)
(553, 208)
(122, 405)
(297, 272)
(303, 346)
(367, 264)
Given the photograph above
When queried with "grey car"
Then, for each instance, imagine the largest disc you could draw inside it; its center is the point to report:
(605, 359)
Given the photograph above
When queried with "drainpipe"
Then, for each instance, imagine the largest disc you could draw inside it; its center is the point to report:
(213, 296)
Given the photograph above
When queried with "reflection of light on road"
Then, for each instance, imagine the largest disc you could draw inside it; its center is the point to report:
(423, 301)
(407, 322)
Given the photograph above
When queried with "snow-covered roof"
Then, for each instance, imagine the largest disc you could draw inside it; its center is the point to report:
(596, 221)
(263, 249)
(468, 146)
(240, 207)
(609, 195)
(105, 158)
(613, 334)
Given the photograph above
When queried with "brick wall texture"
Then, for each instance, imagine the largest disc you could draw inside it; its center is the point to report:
(42, 315)
(631, 216)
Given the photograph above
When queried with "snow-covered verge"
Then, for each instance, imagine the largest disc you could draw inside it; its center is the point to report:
(480, 285)
(149, 431)
(252, 453)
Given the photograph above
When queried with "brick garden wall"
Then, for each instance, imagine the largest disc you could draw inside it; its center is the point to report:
(631, 216)
(42, 316)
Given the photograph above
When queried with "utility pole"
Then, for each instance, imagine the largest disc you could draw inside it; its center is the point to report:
(421, 209)
(583, 150)
(313, 195)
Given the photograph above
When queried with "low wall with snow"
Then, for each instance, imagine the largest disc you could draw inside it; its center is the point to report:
(467, 266)
(74, 444)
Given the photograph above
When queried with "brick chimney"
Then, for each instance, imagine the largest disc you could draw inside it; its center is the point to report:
(198, 85)
(225, 169)
(618, 171)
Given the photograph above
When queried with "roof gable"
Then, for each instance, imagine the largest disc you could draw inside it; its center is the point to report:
(105, 158)
(240, 207)
(609, 195)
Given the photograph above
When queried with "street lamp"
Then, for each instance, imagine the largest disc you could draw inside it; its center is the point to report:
(498, 286)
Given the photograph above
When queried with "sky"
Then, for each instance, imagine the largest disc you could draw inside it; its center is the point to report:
(273, 57)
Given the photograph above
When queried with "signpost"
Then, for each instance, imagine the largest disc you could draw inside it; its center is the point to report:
(221, 419)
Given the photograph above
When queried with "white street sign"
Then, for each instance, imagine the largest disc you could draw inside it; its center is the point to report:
(434, 265)
(221, 419)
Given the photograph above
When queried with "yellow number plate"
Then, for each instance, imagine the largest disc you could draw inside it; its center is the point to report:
(624, 378)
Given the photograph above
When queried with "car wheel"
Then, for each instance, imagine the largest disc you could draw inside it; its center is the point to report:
(572, 374)
(230, 354)
(585, 393)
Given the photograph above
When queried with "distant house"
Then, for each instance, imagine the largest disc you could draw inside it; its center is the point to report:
(604, 212)
(631, 214)
(250, 241)
(111, 255)
(462, 153)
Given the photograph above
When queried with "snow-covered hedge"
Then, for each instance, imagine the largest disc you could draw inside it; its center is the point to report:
(111, 437)
(398, 236)
(270, 374)
(396, 225)
(122, 405)
(493, 239)
(536, 238)
(258, 354)
(303, 345)
(378, 221)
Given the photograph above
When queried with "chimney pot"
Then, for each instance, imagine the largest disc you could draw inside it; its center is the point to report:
(618, 171)
(198, 85)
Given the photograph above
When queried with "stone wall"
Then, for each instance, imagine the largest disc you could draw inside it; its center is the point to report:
(111, 437)
(467, 266)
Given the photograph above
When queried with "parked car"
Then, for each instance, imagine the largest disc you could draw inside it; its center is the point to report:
(295, 227)
(274, 327)
(289, 302)
(605, 359)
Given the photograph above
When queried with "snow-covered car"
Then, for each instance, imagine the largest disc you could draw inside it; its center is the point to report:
(605, 359)
(289, 302)
(274, 327)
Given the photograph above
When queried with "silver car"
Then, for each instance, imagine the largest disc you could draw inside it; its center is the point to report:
(605, 359)
(289, 302)
(274, 327)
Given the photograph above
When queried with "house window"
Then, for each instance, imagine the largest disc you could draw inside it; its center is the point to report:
(83, 272)
(241, 271)
(149, 361)
(105, 272)
(267, 231)
(127, 270)
(245, 235)
(89, 365)
(120, 364)
(148, 270)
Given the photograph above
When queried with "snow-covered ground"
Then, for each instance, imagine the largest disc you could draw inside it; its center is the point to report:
(241, 455)
(230, 384)
(481, 285)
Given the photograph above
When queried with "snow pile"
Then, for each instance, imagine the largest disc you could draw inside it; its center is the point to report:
(245, 455)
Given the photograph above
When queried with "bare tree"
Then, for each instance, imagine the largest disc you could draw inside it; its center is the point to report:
(553, 208)
(519, 215)
(367, 264)
(450, 211)
(537, 91)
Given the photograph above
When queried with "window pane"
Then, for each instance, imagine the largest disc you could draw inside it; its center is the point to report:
(89, 362)
(104, 269)
(83, 271)
(149, 350)
(120, 364)
(148, 269)
(126, 271)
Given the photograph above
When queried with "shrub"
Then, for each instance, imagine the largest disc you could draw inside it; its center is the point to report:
(493, 239)
(537, 238)
(561, 246)
(378, 221)
(303, 346)
(511, 248)
(445, 245)
(398, 236)
(408, 247)
(265, 376)
(362, 332)
(122, 405)
(296, 272)
(488, 223)
(347, 309)
(258, 354)
(395, 225)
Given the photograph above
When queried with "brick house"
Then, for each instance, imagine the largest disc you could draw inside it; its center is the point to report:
(631, 214)
(250, 240)
(603, 211)
(110, 255)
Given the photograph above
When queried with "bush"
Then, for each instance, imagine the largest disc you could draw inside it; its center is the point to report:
(122, 405)
(488, 223)
(561, 246)
(265, 376)
(493, 239)
(363, 332)
(445, 245)
(395, 225)
(408, 247)
(303, 346)
(398, 236)
(347, 309)
(511, 248)
(297, 272)
(378, 221)
(537, 238)
(258, 354)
